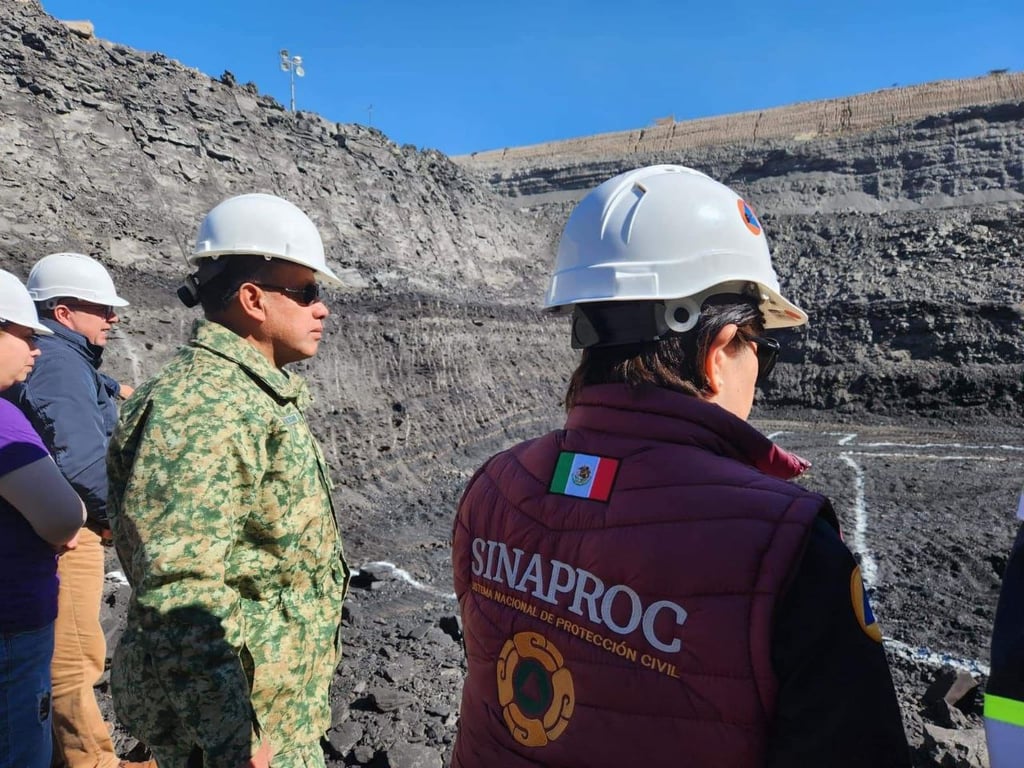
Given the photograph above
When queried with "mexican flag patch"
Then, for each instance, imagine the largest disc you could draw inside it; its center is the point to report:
(585, 476)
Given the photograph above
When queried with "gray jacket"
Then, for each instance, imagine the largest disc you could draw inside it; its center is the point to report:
(72, 407)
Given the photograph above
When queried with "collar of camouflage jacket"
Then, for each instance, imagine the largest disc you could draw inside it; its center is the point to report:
(227, 344)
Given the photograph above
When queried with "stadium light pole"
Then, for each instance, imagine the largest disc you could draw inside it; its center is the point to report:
(293, 66)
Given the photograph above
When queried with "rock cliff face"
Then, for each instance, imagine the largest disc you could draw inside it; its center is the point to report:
(903, 242)
(119, 153)
(788, 141)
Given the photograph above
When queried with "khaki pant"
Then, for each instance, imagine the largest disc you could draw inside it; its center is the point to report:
(81, 738)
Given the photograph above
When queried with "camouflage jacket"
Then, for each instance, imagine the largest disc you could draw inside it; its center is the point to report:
(222, 516)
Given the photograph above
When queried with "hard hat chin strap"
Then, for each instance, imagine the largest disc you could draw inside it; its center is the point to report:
(612, 323)
(609, 324)
(188, 291)
(206, 270)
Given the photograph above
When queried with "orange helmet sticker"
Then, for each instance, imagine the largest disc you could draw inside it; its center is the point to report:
(749, 217)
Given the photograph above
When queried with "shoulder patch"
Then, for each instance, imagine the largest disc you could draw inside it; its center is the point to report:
(584, 476)
(290, 418)
(862, 608)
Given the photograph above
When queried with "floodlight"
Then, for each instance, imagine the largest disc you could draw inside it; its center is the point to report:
(293, 66)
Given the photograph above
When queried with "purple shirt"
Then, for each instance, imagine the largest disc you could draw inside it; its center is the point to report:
(28, 564)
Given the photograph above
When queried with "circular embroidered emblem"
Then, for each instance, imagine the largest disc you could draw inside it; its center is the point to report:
(749, 218)
(581, 475)
(534, 689)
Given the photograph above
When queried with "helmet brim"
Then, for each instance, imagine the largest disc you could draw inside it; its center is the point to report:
(38, 328)
(324, 273)
(780, 312)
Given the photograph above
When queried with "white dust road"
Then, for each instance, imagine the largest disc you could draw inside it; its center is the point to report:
(403, 575)
(851, 451)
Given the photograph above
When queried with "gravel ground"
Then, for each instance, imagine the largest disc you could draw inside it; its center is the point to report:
(928, 507)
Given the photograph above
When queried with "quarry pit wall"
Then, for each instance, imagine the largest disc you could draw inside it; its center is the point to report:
(803, 121)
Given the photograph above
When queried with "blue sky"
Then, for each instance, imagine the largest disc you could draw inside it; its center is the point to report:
(462, 76)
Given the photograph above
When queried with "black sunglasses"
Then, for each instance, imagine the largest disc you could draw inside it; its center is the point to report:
(105, 310)
(307, 294)
(767, 353)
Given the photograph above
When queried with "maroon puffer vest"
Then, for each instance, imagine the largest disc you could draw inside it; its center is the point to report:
(637, 630)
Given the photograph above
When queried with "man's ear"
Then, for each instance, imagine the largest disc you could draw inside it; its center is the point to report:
(252, 300)
(718, 351)
(61, 314)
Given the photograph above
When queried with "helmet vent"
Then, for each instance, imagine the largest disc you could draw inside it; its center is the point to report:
(629, 197)
(627, 223)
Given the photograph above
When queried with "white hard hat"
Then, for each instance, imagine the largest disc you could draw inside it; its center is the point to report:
(261, 225)
(74, 275)
(16, 305)
(666, 233)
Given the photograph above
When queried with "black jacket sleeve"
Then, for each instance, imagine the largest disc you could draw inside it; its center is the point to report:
(1004, 695)
(836, 705)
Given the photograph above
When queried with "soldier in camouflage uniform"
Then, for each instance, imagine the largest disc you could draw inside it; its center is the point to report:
(222, 516)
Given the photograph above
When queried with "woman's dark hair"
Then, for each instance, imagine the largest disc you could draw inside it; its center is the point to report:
(676, 362)
(223, 279)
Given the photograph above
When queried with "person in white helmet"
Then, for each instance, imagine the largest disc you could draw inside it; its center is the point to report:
(222, 512)
(72, 405)
(40, 515)
(645, 585)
